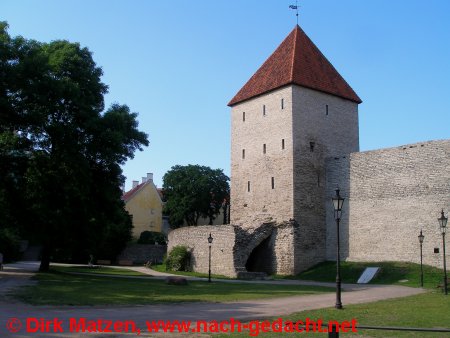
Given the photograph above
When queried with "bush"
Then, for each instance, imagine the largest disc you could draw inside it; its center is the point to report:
(178, 258)
(152, 237)
(9, 245)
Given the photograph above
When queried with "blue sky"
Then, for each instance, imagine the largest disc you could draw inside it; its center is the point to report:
(178, 63)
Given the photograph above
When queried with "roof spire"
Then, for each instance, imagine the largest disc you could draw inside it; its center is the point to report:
(296, 9)
(296, 61)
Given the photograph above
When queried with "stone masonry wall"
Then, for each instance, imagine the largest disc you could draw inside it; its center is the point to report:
(267, 124)
(338, 175)
(267, 247)
(392, 194)
(323, 126)
(142, 253)
(196, 238)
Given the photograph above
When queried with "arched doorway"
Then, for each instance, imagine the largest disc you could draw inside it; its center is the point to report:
(261, 259)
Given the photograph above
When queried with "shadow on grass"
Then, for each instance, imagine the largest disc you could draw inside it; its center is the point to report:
(57, 288)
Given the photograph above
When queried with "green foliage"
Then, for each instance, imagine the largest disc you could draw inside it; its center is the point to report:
(178, 259)
(192, 192)
(152, 237)
(60, 153)
(9, 245)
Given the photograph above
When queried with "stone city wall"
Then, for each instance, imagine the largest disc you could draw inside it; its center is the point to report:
(257, 247)
(393, 193)
(143, 253)
(196, 239)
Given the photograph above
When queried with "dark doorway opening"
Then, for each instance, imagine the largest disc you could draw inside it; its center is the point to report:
(261, 259)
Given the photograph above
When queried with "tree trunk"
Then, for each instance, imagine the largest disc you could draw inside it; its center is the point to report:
(197, 216)
(45, 259)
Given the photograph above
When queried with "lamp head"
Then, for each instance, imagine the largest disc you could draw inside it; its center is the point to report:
(421, 237)
(338, 202)
(443, 222)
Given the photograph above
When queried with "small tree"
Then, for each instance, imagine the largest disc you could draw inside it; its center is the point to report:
(194, 191)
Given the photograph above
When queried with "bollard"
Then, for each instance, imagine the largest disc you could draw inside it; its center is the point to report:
(334, 332)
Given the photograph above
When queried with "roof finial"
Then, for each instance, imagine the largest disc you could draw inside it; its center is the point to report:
(296, 9)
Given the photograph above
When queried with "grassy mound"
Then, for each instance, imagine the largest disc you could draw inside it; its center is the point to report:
(401, 273)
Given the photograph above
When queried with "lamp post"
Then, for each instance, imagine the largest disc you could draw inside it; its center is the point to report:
(443, 225)
(210, 240)
(421, 237)
(338, 201)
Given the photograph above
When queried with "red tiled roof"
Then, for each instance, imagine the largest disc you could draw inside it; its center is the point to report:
(129, 193)
(296, 61)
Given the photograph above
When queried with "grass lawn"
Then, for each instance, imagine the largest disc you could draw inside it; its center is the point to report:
(390, 273)
(63, 289)
(162, 268)
(427, 310)
(98, 270)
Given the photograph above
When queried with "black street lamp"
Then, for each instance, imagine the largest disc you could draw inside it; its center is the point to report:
(210, 240)
(338, 201)
(443, 225)
(421, 237)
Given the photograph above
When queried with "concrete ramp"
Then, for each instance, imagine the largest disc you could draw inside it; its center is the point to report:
(368, 275)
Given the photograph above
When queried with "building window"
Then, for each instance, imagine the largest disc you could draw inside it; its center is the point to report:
(282, 103)
(243, 153)
(243, 116)
(311, 146)
(264, 110)
(326, 110)
(282, 144)
(264, 148)
(248, 186)
(273, 183)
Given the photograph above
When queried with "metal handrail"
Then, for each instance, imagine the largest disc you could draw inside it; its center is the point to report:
(334, 334)
(396, 328)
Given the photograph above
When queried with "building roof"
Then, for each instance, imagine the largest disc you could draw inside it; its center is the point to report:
(126, 196)
(298, 61)
(130, 193)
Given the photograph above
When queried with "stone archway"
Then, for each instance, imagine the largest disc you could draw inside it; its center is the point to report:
(253, 245)
(261, 259)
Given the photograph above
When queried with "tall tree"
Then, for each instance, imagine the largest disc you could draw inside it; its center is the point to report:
(194, 191)
(53, 100)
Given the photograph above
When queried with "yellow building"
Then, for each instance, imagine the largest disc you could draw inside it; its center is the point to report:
(144, 203)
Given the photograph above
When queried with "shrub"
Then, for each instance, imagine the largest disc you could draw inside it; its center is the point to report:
(178, 258)
(152, 237)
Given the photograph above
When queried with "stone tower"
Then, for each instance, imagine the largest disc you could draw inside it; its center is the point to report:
(293, 113)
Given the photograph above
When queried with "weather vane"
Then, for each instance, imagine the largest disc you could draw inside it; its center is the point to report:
(296, 9)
